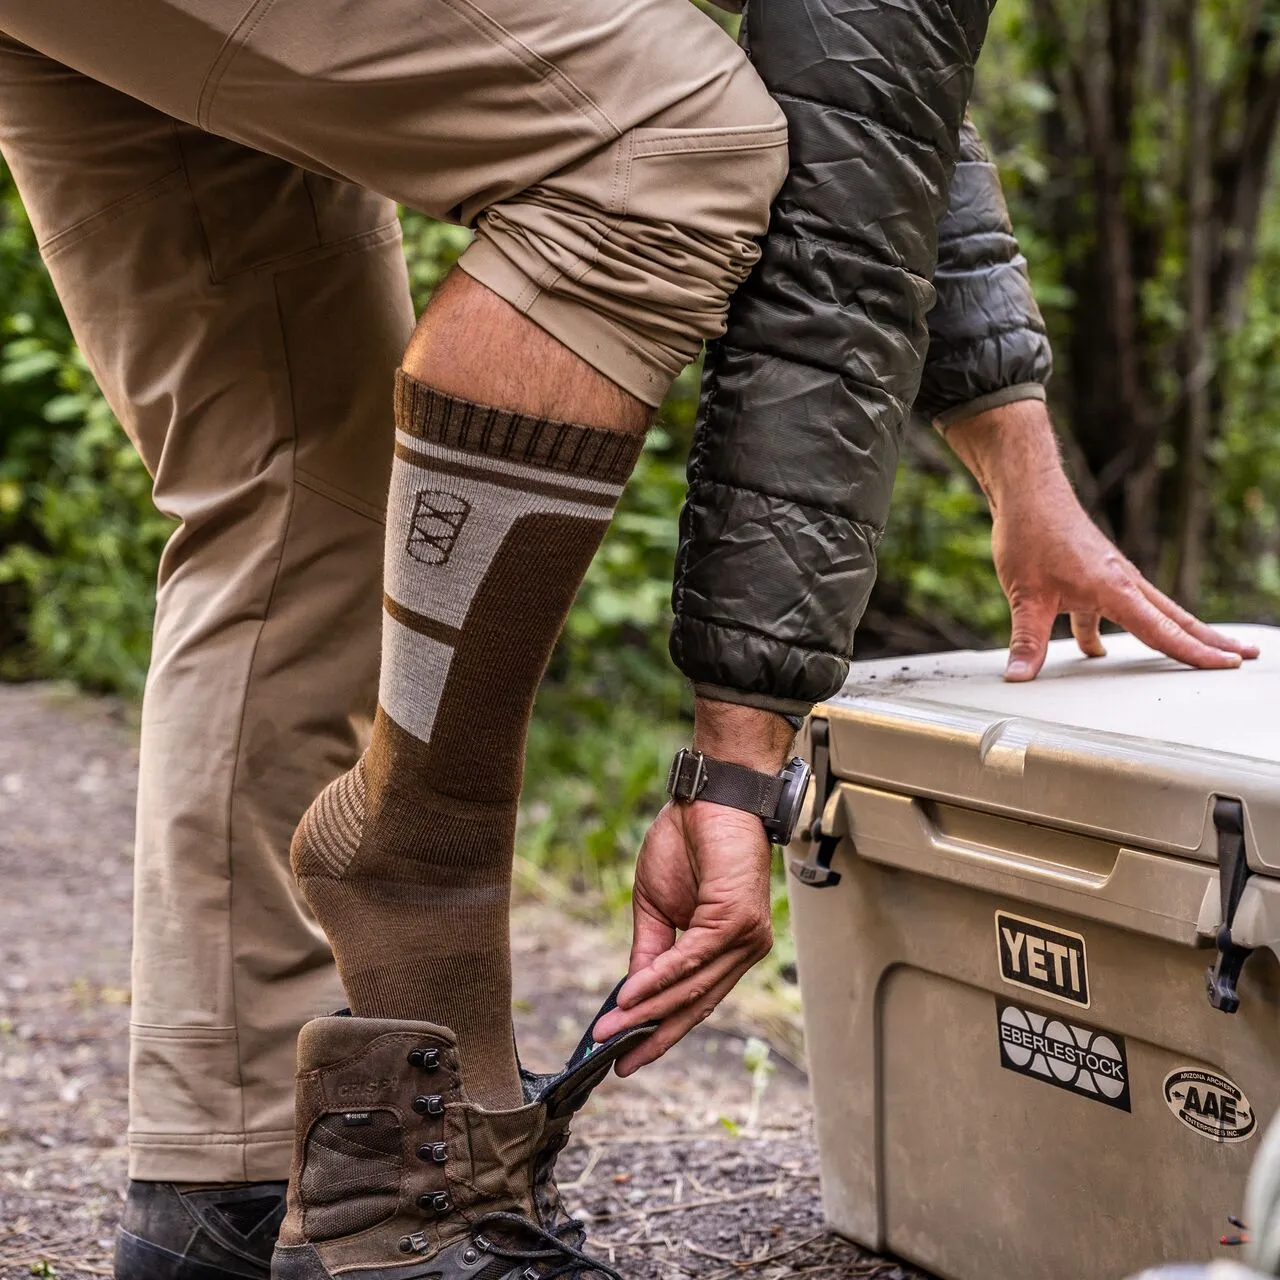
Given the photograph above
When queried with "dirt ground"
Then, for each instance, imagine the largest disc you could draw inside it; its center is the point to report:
(667, 1170)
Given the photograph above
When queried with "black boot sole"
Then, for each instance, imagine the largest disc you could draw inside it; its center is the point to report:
(138, 1259)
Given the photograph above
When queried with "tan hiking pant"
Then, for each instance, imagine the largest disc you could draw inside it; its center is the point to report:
(200, 177)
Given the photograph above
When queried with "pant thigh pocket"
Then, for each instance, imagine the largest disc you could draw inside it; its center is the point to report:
(719, 181)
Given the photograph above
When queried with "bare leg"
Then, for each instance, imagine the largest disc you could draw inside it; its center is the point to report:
(473, 345)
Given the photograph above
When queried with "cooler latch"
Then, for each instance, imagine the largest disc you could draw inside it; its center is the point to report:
(817, 872)
(1233, 872)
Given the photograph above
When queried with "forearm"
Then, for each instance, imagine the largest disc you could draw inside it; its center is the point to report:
(1012, 452)
(743, 735)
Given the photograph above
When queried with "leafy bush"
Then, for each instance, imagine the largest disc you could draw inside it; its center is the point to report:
(79, 538)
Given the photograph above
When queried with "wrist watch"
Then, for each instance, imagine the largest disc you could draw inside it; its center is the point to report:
(774, 798)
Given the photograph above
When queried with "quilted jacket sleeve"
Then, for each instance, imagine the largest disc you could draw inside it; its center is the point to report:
(987, 344)
(805, 396)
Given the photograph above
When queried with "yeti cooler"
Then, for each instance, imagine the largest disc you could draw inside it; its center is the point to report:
(1036, 929)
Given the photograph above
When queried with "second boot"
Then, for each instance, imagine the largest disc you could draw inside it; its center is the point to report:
(398, 1175)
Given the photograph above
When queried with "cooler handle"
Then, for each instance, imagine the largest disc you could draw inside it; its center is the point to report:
(895, 830)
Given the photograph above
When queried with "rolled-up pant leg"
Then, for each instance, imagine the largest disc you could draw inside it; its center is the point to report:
(243, 319)
(617, 157)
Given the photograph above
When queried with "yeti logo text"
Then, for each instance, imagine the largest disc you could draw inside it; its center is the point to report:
(1042, 958)
(1070, 1055)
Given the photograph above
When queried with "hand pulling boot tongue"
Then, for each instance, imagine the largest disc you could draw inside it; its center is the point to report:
(398, 1175)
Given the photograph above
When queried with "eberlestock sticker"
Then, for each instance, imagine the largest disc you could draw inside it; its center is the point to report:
(1064, 1052)
(1209, 1104)
(1042, 958)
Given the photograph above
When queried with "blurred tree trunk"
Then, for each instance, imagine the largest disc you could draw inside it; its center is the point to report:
(1158, 160)
(1193, 497)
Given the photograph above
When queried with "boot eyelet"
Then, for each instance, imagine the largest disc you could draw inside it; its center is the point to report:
(470, 1257)
(425, 1059)
(429, 1104)
(406, 1245)
(434, 1202)
(436, 1152)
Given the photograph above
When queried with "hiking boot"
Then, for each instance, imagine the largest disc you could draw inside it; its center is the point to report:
(397, 1175)
(171, 1231)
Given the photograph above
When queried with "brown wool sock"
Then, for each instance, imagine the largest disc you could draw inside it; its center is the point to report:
(492, 521)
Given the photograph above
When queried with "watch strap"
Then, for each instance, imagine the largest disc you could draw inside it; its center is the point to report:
(695, 776)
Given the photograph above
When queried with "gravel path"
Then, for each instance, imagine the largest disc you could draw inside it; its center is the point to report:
(668, 1168)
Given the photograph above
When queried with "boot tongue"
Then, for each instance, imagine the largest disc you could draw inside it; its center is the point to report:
(563, 1094)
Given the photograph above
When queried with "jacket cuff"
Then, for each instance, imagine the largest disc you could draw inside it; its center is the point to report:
(992, 400)
(761, 701)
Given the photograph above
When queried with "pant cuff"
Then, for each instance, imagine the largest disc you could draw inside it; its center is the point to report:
(596, 339)
(262, 1157)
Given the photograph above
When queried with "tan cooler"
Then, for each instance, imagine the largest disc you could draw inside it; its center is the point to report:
(1037, 932)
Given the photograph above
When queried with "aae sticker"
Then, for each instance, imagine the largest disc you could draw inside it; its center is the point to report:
(1210, 1104)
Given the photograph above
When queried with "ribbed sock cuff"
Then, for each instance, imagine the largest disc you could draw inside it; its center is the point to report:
(594, 453)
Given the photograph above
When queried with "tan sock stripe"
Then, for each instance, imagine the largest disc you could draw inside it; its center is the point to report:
(432, 628)
(333, 825)
(505, 466)
(595, 453)
(483, 475)
(415, 669)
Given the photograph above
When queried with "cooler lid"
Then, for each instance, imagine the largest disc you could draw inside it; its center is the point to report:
(1132, 747)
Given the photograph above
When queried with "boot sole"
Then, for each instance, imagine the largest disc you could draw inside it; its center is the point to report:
(138, 1259)
(302, 1262)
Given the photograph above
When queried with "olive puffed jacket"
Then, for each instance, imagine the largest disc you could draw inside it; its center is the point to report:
(891, 208)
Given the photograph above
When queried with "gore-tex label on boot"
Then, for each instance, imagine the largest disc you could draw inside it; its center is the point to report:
(1063, 1052)
(1042, 958)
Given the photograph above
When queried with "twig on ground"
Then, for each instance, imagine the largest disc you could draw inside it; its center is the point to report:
(670, 1136)
(593, 1159)
(774, 1189)
(709, 1253)
(738, 1266)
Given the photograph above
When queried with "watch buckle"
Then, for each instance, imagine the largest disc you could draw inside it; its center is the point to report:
(683, 784)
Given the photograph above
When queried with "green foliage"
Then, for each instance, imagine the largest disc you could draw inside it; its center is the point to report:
(1026, 104)
(1245, 549)
(937, 550)
(430, 249)
(79, 538)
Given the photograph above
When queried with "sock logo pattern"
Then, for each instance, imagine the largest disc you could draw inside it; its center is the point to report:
(434, 527)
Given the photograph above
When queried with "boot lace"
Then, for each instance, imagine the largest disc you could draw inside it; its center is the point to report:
(559, 1247)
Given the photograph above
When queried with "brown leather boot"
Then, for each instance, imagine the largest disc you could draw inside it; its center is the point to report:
(397, 1175)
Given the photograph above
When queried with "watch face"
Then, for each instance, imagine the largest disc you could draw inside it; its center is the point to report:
(795, 783)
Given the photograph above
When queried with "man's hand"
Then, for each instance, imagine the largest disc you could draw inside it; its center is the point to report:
(701, 900)
(1051, 558)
